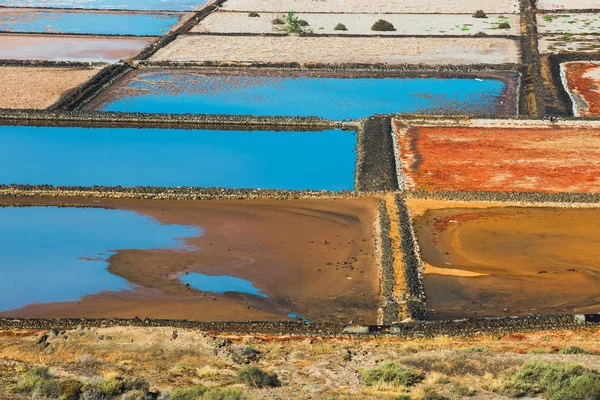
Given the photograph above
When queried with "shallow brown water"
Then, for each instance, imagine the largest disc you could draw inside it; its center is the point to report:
(531, 260)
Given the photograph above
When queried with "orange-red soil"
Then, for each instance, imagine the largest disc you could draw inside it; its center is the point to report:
(545, 159)
(583, 80)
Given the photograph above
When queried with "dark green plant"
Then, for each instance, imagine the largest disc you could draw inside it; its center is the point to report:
(70, 389)
(293, 23)
(340, 27)
(480, 34)
(480, 14)
(574, 350)
(391, 373)
(504, 25)
(383, 26)
(256, 377)
(253, 14)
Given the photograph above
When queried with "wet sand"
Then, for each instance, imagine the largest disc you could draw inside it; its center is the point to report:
(531, 260)
(29, 87)
(70, 48)
(282, 247)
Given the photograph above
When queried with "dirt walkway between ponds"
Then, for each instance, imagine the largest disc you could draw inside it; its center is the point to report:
(32, 87)
(311, 257)
(536, 260)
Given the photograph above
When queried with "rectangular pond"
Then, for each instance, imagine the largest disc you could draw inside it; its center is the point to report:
(172, 157)
(211, 92)
(95, 23)
(138, 5)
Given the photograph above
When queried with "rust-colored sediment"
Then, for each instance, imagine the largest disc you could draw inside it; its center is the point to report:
(583, 80)
(38, 88)
(311, 257)
(494, 261)
(522, 159)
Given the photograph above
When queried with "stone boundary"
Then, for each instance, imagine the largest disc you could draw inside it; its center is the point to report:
(531, 198)
(413, 265)
(350, 35)
(52, 64)
(388, 310)
(375, 164)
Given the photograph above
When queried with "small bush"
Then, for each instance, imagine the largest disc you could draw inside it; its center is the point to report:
(253, 14)
(474, 350)
(574, 350)
(391, 373)
(136, 395)
(136, 384)
(294, 24)
(541, 351)
(256, 377)
(191, 393)
(340, 27)
(462, 391)
(94, 393)
(278, 21)
(480, 14)
(480, 34)
(222, 394)
(383, 26)
(70, 389)
(504, 25)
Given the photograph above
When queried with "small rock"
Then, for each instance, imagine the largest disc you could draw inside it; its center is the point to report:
(174, 335)
(42, 339)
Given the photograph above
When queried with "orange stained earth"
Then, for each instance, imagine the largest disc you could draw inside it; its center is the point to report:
(583, 80)
(519, 159)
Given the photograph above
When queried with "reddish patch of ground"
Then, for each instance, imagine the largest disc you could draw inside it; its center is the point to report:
(583, 80)
(501, 159)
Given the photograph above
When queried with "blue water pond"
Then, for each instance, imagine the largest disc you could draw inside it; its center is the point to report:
(220, 284)
(175, 157)
(333, 98)
(50, 254)
(163, 5)
(15, 20)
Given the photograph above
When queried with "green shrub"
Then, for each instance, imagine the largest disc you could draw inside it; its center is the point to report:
(136, 395)
(191, 393)
(480, 14)
(136, 384)
(462, 391)
(555, 382)
(391, 373)
(574, 350)
(294, 24)
(340, 27)
(253, 14)
(70, 389)
(541, 351)
(504, 25)
(480, 34)
(222, 394)
(256, 377)
(383, 26)
(474, 350)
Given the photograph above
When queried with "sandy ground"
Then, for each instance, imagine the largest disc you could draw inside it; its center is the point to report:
(376, 6)
(360, 24)
(568, 23)
(569, 44)
(25, 87)
(567, 4)
(327, 50)
(583, 84)
(493, 261)
(492, 158)
(309, 368)
(69, 48)
(311, 257)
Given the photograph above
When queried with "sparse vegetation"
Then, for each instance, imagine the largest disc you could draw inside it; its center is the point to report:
(340, 27)
(257, 378)
(253, 14)
(574, 350)
(294, 24)
(383, 26)
(480, 14)
(391, 373)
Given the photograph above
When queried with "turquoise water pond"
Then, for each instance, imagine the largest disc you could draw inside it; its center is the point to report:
(175, 157)
(50, 254)
(220, 284)
(333, 98)
(162, 5)
(98, 23)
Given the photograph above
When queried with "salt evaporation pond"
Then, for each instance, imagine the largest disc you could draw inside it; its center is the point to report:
(98, 23)
(50, 254)
(220, 284)
(188, 91)
(142, 5)
(175, 157)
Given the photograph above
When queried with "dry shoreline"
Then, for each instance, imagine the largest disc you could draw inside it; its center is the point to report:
(278, 245)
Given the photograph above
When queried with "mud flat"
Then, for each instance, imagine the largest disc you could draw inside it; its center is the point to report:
(582, 81)
(292, 93)
(555, 44)
(38, 87)
(484, 260)
(571, 23)
(69, 48)
(80, 22)
(500, 156)
(567, 4)
(314, 258)
(360, 24)
(376, 6)
(369, 50)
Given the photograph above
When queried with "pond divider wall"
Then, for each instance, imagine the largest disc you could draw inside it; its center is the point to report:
(375, 165)
(388, 310)
(532, 198)
(534, 91)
